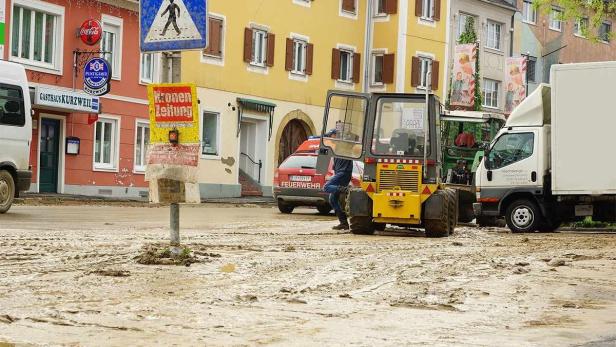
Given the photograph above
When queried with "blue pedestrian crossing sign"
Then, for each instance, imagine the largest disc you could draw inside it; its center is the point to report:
(172, 25)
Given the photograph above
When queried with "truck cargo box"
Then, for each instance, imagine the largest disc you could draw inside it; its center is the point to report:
(583, 128)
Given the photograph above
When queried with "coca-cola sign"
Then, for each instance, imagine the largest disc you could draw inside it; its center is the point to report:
(90, 32)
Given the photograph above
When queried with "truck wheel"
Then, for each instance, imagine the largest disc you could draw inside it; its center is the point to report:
(284, 208)
(361, 225)
(550, 226)
(7, 191)
(324, 209)
(442, 227)
(523, 216)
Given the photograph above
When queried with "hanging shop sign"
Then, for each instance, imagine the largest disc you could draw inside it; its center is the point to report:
(66, 100)
(96, 77)
(90, 32)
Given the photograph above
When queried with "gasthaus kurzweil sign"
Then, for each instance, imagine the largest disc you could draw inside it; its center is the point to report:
(66, 100)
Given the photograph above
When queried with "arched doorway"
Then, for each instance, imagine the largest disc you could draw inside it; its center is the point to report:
(293, 135)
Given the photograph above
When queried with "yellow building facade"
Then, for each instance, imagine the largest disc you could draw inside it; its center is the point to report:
(262, 81)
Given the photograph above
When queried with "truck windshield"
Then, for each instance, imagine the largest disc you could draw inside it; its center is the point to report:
(399, 128)
(346, 117)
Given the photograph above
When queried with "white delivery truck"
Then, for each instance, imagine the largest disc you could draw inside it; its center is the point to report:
(15, 133)
(555, 160)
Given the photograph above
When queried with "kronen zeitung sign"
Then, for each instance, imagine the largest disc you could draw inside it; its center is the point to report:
(173, 153)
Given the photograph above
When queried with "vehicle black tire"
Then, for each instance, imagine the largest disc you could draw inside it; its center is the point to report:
(361, 225)
(284, 208)
(324, 209)
(486, 221)
(7, 190)
(441, 227)
(550, 225)
(453, 210)
(523, 216)
(380, 226)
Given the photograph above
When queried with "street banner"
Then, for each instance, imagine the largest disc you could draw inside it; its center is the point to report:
(463, 85)
(174, 150)
(173, 25)
(515, 83)
(2, 25)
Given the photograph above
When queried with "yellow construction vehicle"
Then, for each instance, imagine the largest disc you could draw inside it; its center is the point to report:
(397, 137)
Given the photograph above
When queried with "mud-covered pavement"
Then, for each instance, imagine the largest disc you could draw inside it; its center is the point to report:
(68, 276)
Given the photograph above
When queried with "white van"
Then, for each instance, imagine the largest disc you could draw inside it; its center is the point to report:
(15, 133)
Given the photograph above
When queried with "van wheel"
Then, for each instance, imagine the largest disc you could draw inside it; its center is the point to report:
(284, 208)
(523, 216)
(7, 191)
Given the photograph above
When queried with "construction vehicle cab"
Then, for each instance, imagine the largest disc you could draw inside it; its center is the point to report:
(399, 144)
(464, 137)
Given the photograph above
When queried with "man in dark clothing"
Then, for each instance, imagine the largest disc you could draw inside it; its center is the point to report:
(343, 171)
(172, 19)
(460, 174)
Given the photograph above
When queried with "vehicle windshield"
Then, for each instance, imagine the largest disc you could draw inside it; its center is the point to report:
(300, 162)
(399, 128)
(11, 106)
(345, 125)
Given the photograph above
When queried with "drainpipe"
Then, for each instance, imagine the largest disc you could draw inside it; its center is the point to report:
(511, 30)
(368, 45)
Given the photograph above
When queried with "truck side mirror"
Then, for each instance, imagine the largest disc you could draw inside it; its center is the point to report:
(486, 157)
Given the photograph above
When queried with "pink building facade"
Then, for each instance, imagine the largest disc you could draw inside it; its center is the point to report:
(76, 149)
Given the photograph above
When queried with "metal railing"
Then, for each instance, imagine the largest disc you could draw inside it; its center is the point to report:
(259, 163)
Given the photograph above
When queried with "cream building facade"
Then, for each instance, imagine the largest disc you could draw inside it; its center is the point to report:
(263, 79)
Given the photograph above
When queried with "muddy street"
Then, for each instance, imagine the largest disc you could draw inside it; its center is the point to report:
(68, 276)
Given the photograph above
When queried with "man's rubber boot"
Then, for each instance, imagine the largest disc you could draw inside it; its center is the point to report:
(344, 225)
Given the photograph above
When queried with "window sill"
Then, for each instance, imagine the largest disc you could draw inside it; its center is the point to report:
(494, 50)
(296, 76)
(349, 85)
(145, 83)
(528, 22)
(31, 65)
(381, 18)
(104, 169)
(491, 107)
(213, 59)
(212, 56)
(555, 29)
(260, 69)
(580, 36)
(348, 14)
(307, 4)
(210, 157)
(605, 42)
(427, 21)
(379, 88)
(139, 171)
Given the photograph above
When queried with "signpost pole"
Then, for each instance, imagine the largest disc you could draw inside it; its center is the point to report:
(175, 227)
